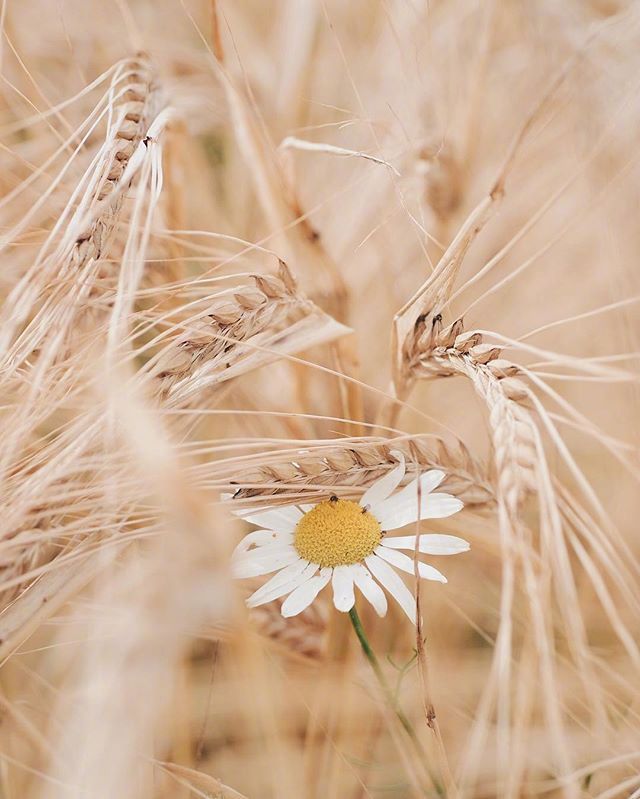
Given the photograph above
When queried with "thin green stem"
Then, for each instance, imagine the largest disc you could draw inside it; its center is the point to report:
(388, 693)
(364, 643)
(375, 665)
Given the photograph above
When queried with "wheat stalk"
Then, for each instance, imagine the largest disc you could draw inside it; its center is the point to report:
(521, 471)
(52, 292)
(246, 329)
(137, 104)
(310, 472)
(432, 352)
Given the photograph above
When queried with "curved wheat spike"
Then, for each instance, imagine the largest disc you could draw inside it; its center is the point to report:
(84, 230)
(522, 470)
(223, 341)
(426, 306)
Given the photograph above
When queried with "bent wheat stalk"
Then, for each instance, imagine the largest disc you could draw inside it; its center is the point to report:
(64, 272)
(242, 331)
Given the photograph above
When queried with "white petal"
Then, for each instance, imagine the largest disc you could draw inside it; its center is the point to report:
(385, 485)
(443, 505)
(431, 480)
(430, 543)
(427, 480)
(259, 538)
(242, 512)
(304, 594)
(370, 588)
(259, 552)
(402, 508)
(405, 563)
(343, 596)
(263, 561)
(284, 518)
(386, 576)
(285, 581)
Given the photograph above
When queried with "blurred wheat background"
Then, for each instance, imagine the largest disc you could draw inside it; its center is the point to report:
(254, 248)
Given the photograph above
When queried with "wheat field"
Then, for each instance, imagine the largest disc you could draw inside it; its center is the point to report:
(257, 254)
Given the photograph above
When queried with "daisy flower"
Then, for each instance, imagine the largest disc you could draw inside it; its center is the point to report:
(346, 543)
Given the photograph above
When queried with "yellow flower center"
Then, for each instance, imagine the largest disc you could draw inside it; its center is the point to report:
(336, 533)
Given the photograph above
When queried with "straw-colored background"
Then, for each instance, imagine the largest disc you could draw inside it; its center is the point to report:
(154, 157)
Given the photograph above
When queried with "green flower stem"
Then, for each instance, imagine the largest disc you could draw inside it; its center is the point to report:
(375, 665)
(393, 704)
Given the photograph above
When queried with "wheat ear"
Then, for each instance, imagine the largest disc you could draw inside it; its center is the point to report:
(309, 473)
(244, 330)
